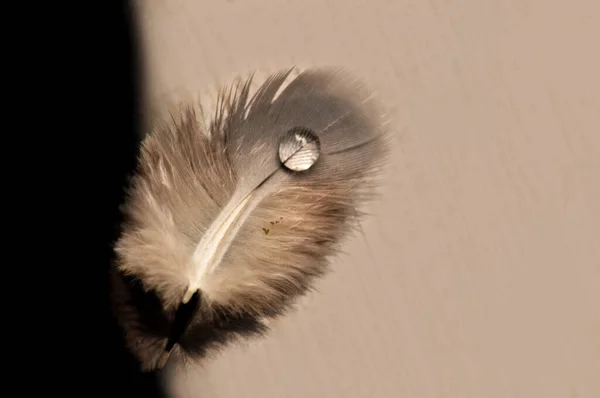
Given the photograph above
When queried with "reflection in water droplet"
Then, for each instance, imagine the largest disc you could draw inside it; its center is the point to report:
(299, 149)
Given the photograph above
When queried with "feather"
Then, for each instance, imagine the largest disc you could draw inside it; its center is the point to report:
(227, 225)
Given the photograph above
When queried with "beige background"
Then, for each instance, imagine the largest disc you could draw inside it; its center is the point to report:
(479, 274)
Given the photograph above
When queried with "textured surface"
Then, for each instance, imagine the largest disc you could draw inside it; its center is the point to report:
(479, 274)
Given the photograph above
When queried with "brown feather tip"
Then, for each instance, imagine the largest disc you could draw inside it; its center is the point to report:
(243, 211)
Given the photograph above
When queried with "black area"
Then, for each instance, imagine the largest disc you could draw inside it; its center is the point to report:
(118, 125)
(92, 122)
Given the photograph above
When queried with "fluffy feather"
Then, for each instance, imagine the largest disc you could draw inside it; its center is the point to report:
(214, 211)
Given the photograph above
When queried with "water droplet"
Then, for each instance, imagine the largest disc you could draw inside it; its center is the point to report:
(299, 149)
